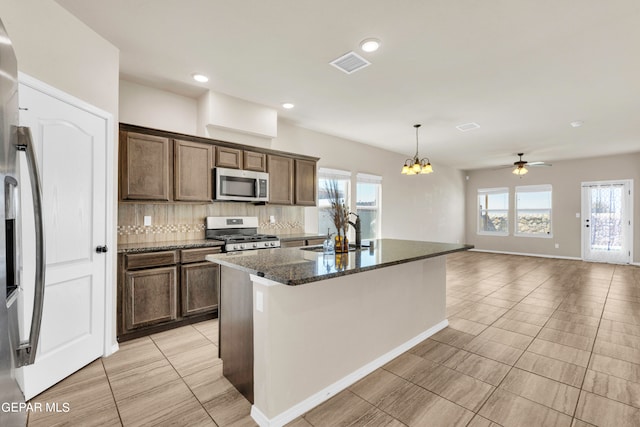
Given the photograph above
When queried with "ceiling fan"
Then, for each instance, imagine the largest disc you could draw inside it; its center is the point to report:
(521, 165)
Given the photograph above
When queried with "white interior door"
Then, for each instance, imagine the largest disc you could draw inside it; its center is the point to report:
(606, 221)
(71, 145)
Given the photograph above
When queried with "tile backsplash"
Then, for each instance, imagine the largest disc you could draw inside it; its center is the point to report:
(177, 222)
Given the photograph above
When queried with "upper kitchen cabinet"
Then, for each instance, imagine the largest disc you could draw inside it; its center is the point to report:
(192, 164)
(305, 182)
(227, 157)
(281, 175)
(145, 167)
(162, 166)
(253, 161)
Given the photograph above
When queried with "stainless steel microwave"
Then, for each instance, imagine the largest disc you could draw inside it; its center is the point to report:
(241, 186)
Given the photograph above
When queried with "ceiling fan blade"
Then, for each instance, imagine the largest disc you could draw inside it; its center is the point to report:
(538, 164)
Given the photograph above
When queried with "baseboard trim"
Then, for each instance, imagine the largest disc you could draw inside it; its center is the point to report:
(331, 390)
(526, 254)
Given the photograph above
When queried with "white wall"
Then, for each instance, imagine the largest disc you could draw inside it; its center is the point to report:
(423, 207)
(565, 178)
(145, 106)
(55, 47)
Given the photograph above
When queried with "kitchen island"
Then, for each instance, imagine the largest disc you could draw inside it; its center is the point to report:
(297, 326)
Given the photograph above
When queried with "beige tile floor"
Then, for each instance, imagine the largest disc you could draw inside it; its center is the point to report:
(530, 342)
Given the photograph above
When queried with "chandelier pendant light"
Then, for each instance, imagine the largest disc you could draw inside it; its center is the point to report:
(416, 165)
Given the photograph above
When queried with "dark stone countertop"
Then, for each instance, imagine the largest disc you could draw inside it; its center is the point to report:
(295, 266)
(132, 248)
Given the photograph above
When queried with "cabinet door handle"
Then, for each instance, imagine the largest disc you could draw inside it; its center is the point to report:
(102, 249)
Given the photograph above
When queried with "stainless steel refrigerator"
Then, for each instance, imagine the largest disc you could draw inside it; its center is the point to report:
(14, 139)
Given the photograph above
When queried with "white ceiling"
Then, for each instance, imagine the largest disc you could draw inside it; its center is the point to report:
(523, 70)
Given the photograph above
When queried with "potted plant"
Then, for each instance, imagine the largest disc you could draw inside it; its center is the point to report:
(339, 212)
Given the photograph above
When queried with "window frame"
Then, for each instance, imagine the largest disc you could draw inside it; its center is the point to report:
(328, 174)
(363, 178)
(539, 188)
(486, 191)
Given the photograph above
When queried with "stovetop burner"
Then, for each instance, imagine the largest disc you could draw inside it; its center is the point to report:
(239, 233)
(234, 238)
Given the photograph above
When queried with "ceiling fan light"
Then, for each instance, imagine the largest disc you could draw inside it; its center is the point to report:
(416, 167)
(520, 170)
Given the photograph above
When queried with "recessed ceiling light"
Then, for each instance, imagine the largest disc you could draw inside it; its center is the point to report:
(201, 78)
(288, 105)
(369, 45)
(467, 127)
(577, 123)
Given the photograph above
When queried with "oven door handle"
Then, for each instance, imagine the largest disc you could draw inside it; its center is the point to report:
(26, 351)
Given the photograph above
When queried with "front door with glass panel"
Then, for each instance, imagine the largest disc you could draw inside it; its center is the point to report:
(606, 221)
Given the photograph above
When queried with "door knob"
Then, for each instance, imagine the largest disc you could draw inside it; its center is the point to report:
(101, 249)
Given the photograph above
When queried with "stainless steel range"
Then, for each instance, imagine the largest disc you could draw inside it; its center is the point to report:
(239, 233)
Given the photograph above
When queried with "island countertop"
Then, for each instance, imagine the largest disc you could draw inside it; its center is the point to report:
(295, 266)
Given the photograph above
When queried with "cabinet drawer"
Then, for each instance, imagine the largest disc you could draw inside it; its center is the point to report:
(312, 242)
(197, 255)
(151, 259)
(291, 243)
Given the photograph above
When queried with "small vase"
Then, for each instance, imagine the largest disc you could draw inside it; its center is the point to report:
(342, 244)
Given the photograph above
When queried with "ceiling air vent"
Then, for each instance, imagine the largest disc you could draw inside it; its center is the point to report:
(467, 127)
(350, 62)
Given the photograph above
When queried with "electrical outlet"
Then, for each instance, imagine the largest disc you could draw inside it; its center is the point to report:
(272, 219)
(147, 220)
(557, 245)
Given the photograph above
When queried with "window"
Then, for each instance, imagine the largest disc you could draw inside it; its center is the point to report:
(368, 193)
(493, 211)
(533, 211)
(343, 180)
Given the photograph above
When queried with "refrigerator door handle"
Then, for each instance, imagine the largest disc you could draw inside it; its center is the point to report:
(26, 352)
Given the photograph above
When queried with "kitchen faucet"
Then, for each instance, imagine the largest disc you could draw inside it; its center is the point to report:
(357, 227)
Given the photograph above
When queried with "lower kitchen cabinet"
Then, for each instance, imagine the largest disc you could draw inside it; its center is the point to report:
(165, 289)
(150, 297)
(199, 285)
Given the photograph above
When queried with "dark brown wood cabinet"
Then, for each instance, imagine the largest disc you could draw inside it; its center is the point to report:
(150, 297)
(227, 157)
(192, 171)
(161, 290)
(199, 282)
(305, 182)
(281, 175)
(254, 161)
(163, 166)
(145, 167)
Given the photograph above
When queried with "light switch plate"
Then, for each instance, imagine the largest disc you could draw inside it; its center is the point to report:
(147, 220)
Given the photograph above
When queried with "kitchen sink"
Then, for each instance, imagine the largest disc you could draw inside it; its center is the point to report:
(318, 248)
